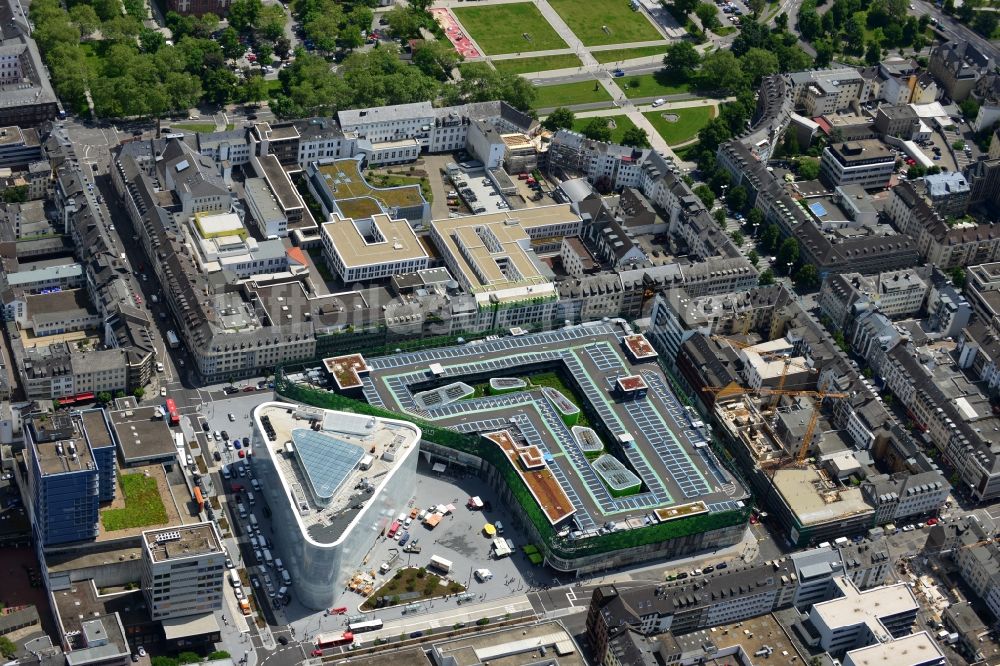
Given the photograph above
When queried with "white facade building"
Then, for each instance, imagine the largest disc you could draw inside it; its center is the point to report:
(309, 479)
(183, 570)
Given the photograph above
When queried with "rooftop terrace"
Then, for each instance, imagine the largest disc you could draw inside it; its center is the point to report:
(345, 181)
(181, 542)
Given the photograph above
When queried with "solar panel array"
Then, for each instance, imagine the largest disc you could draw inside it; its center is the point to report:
(677, 413)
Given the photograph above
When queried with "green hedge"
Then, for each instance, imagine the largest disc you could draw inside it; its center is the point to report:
(486, 450)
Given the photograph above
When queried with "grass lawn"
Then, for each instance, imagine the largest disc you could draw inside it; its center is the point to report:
(685, 128)
(651, 85)
(541, 64)
(395, 180)
(565, 94)
(623, 124)
(553, 380)
(501, 28)
(424, 584)
(194, 127)
(143, 505)
(725, 30)
(587, 19)
(614, 55)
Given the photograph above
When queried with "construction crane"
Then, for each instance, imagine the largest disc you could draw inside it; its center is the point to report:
(769, 355)
(818, 396)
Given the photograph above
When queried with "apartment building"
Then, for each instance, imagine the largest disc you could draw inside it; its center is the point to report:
(902, 496)
(28, 99)
(183, 571)
(684, 607)
(943, 245)
(868, 163)
(958, 65)
(70, 470)
(949, 193)
(822, 92)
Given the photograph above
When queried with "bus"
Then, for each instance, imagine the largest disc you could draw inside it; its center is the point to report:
(368, 625)
(175, 416)
(324, 641)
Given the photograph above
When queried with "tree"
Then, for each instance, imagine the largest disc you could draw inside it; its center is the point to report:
(809, 23)
(682, 59)
(755, 218)
(720, 218)
(437, 59)
(807, 277)
(758, 63)
(958, 277)
(681, 8)
(769, 237)
(738, 198)
(737, 237)
(970, 108)
(597, 129)
(7, 647)
(705, 194)
(480, 83)
(788, 254)
(561, 118)
(721, 71)
(635, 137)
(270, 22)
(229, 40)
(85, 18)
(708, 15)
(139, 393)
(766, 277)
(873, 54)
(103, 397)
(757, 6)
(808, 168)
(243, 14)
(781, 21)
(824, 52)
(14, 194)
(282, 47)
(985, 23)
(753, 257)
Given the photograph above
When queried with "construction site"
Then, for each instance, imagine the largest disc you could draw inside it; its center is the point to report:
(801, 468)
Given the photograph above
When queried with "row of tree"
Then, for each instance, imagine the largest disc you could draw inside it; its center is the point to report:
(597, 129)
(378, 77)
(857, 28)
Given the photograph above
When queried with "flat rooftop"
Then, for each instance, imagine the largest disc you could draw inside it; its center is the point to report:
(650, 435)
(518, 646)
(322, 469)
(345, 181)
(867, 606)
(814, 501)
(905, 651)
(277, 179)
(143, 433)
(211, 225)
(176, 543)
(373, 241)
(66, 455)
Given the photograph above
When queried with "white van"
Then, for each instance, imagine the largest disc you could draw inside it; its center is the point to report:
(268, 558)
(242, 509)
(250, 497)
(483, 575)
(256, 484)
(285, 578)
(659, 102)
(277, 563)
(254, 543)
(226, 474)
(282, 591)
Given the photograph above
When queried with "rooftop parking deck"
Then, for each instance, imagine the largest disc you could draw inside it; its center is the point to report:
(650, 435)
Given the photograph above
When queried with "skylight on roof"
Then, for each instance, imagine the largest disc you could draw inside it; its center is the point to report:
(183, 164)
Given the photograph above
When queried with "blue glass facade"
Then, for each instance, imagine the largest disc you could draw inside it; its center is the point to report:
(68, 479)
